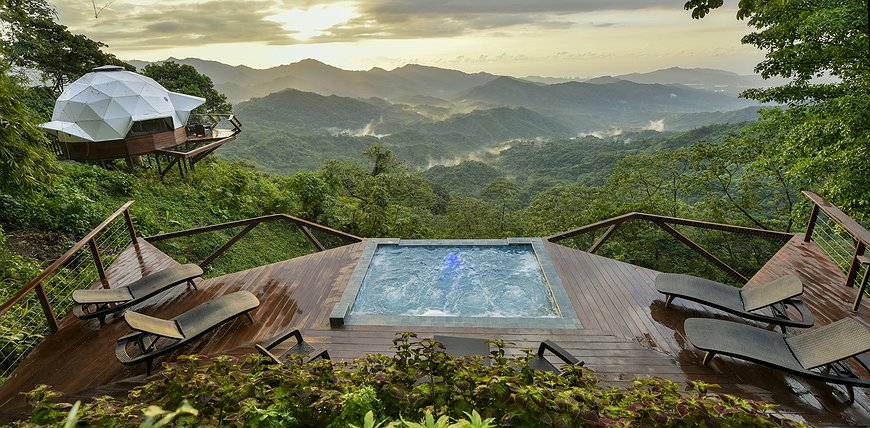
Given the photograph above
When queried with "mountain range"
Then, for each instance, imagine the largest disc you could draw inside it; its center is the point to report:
(298, 115)
(241, 82)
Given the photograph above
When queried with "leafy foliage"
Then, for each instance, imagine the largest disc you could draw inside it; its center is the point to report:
(185, 79)
(822, 136)
(34, 40)
(417, 383)
(25, 162)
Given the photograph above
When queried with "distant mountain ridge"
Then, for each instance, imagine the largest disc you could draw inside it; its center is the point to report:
(707, 79)
(240, 83)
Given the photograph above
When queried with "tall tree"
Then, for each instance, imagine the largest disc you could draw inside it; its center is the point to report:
(25, 162)
(823, 131)
(185, 79)
(35, 41)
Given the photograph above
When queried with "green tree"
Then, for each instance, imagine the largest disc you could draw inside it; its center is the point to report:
(25, 161)
(385, 201)
(34, 41)
(823, 133)
(185, 79)
(503, 193)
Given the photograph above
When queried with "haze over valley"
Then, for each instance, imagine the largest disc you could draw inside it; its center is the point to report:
(299, 115)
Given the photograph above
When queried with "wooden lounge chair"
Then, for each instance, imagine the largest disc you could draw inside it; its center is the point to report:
(301, 347)
(180, 330)
(776, 295)
(98, 303)
(538, 361)
(828, 347)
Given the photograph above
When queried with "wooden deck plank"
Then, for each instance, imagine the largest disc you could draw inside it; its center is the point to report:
(626, 332)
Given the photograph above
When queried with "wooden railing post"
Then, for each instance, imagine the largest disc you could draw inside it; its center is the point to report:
(311, 237)
(814, 215)
(223, 248)
(856, 264)
(130, 227)
(98, 261)
(46, 308)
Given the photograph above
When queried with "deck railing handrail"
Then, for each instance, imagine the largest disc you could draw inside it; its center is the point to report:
(664, 223)
(673, 220)
(304, 225)
(36, 283)
(860, 236)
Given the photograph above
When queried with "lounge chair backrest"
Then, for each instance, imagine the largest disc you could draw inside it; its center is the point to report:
(781, 289)
(214, 312)
(834, 342)
(158, 281)
(151, 325)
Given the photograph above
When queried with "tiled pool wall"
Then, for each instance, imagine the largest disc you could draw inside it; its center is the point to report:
(342, 312)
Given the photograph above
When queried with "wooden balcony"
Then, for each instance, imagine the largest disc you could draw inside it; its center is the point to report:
(627, 331)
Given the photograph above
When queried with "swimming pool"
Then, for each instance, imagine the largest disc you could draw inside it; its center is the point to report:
(476, 283)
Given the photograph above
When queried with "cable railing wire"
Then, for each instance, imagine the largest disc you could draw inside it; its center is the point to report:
(24, 324)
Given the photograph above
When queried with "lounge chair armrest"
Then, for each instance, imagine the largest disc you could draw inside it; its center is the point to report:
(557, 351)
(807, 317)
(277, 340)
(265, 352)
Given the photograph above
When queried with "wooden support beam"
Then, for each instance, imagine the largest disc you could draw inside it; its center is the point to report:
(814, 216)
(46, 308)
(865, 261)
(856, 264)
(601, 240)
(130, 227)
(227, 245)
(704, 253)
(311, 237)
(590, 227)
(98, 261)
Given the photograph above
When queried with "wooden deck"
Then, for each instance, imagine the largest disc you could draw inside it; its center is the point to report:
(627, 331)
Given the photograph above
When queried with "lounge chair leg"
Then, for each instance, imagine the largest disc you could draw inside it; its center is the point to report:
(250, 318)
(148, 367)
(708, 356)
(192, 284)
(669, 300)
(782, 327)
(102, 320)
(851, 392)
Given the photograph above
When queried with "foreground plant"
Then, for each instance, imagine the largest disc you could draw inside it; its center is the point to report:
(417, 387)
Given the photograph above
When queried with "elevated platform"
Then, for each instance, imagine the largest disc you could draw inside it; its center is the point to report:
(627, 330)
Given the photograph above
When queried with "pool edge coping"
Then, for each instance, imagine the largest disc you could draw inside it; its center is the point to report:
(340, 313)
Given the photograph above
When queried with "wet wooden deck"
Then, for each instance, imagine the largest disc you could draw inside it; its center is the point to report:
(627, 331)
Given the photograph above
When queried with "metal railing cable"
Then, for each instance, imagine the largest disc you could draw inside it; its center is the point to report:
(30, 313)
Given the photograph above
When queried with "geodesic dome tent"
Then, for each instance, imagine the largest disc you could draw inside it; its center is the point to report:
(105, 104)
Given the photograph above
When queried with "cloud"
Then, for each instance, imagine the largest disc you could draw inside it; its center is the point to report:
(139, 26)
(149, 24)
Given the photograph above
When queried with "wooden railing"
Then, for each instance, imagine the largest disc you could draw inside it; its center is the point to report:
(36, 285)
(23, 324)
(860, 238)
(666, 224)
(249, 224)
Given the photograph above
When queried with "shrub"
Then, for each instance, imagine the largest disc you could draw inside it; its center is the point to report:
(413, 385)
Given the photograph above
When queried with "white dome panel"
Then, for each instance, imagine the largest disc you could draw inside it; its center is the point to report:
(101, 105)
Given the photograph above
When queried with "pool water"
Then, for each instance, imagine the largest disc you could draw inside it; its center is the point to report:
(496, 281)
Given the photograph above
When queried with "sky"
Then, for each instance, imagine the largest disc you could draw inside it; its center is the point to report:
(554, 38)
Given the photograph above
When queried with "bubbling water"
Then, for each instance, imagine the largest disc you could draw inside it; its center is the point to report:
(455, 281)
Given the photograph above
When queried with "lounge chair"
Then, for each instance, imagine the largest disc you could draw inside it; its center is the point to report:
(829, 346)
(100, 302)
(776, 295)
(465, 347)
(540, 363)
(301, 347)
(180, 330)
